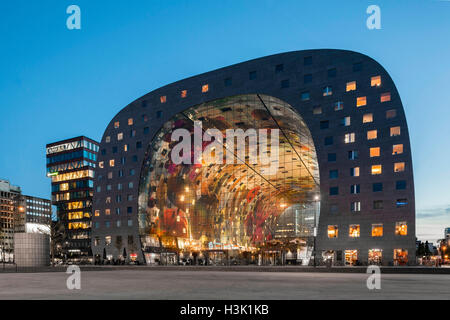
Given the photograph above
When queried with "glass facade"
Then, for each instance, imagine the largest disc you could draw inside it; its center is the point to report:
(239, 211)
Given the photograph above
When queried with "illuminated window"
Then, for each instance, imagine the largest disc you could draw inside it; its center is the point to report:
(349, 137)
(97, 213)
(333, 231)
(317, 110)
(355, 206)
(375, 152)
(338, 106)
(119, 136)
(110, 175)
(346, 121)
(163, 99)
(116, 125)
(355, 188)
(327, 91)
(334, 191)
(395, 131)
(368, 117)
(353, 155)
(351, 86)
(125, 147)
(397, 149)
(400, 257)
(375, 81)
(183, 93)
(304, 96)
(107, 240)
(351, 257)
(375, 256)
(108, 212)
(108, 200)
(205, 88)
(101, 164)
(377, 169)
(399, 167)
(361, 101)
(111, 163)
(354, 231)
(401, 228)
(354, 172)
(377, 230)
(391, 114)
(108, 139)
(130, 121)
(401, 203)
(372, 134)
(385, 97)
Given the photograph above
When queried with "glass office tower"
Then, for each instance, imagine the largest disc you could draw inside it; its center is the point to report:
(70, 165)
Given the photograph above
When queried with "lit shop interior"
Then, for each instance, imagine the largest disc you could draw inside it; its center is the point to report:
(246, 211)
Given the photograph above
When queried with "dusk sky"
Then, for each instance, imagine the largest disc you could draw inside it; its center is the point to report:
(57, 83)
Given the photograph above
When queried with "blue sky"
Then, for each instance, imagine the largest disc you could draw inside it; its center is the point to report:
(56, 83)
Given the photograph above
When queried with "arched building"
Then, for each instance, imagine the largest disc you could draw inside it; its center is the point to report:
(341, 160)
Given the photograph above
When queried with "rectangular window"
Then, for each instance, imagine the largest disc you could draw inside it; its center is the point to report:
(334, 191)
(385, 97)
(119, 136)
(334, 174)
(130, 121)
(327, 91)
(116, 125)
(355, 189)
(332, 231)
(111, 163)
(399, 167)
(228, 82)
(357, 66)
(130, 224)
(334, 209)
(395, 131)
(355, 206)
(307, 78)
(401, 203)
(346, 121)
(205, 88)
(349, 137)
(332, 73)
(377, 230)
(304, 96)
(351, 86)
(183, 93)
(252, 75)
(108, 240)
(368, 117)
(397, 149)
(361, 101)
(279, 67)
(353, 155)
(375, 152)
(354, 172)
(163, 99)
(372, 134)
(324, 124)
(307, 61)
(401, 228)
(331, 157)
(97, 213)
(378, 204)
(159, 114)
(377, 187)
(377, 169)
(328, 141)
(354, 231)
(391, 114)
(338, 106)
(375, 81)
(107, 212)
(400, 185)
(317, 110)
(284, 84)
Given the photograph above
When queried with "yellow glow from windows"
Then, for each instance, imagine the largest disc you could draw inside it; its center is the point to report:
(63, 187)
(78, 225)
(97, 213)
(108, 212)
(78, 215)
(375, 152)
(130, 121)
(351, 256)
(349, 137)
(377, 230)
(375, 81)
(399, 167)
(125, 147)
(351, 86)
(111, 163)
(368, 117)
(354, 231)
(119, 136)
(372, 134)
(116, 125)
(163, 99)
(75, 205)
(73, 175)
(205, 88)
(377, 169)
(401, 229)
(395, 131)
(184, 93)
(101, 164)
(397, 149)
(385, 97)
(361, 101)
(332, 231)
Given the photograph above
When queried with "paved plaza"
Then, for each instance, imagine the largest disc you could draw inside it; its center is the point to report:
(175, 284)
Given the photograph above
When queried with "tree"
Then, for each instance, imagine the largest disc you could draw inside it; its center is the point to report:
(58, 236)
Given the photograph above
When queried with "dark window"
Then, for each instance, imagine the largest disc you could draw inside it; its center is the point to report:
(144, 118)
(307, 78)
(334, 191)
(328, 141)
(158, 114)
(332, 73)
(279, 67)
(146, 130)
(305, 96)
(325, 124)
(400, 185)
(144, 103)
(357, 66)
(378, 204)
(228, 82)
(138, 145)
(114, 149)
(353, 155)
(252, 75)
(103, 151)
(334, 174)
(331, 157)
(334, 208)
(355, 188)
(129, 209)
(130, 240)
(377, 187)
(285, 83)
(135, 158)
(307, 61)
